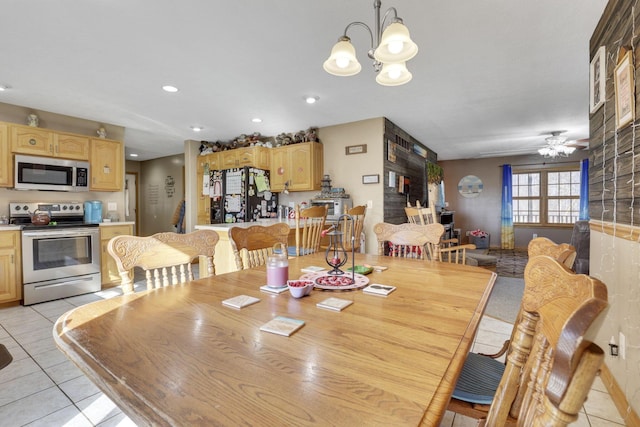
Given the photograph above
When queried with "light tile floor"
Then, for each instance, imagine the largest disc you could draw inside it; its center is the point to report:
(41, 387)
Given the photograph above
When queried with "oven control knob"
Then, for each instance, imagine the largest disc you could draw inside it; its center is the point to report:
(25, 208)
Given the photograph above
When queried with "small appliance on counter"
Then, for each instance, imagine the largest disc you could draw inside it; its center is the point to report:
(93, 212)
(336, 199)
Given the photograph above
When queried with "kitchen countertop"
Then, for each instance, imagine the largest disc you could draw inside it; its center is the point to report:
(107, 224)
(228, 225)
(9, 227)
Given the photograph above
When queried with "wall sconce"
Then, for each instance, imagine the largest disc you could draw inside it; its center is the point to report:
(391, 50)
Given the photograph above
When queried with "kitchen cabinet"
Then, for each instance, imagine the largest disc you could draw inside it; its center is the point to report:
(204, 201)
(301, 165)
(10, 266)
(108, 268)
(107, 165)
(6, 163)
(31, 140)
(257, 157)
(71, 146)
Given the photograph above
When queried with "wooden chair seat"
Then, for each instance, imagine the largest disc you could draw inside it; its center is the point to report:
(165, 257)
(252, 246)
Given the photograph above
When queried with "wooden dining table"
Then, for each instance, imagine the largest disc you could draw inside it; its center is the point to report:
(177, 356)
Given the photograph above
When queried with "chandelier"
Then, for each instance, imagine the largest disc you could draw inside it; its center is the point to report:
(390, 50)
(555, 147)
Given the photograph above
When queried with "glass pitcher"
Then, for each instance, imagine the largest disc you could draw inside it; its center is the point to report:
(278, 267)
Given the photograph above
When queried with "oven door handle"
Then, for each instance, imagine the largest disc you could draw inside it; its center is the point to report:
(61, 233)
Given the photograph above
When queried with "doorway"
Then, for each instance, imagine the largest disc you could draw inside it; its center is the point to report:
(131, 199)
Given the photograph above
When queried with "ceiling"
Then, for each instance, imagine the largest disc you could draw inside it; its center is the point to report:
(491, 77)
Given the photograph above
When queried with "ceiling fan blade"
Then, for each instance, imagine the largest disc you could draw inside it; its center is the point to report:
(578, 143)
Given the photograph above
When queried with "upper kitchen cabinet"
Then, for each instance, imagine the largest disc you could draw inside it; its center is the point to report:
(42, 142)
(107, 165)
(6, 165)
(71, 146)
(31, 140)
(300, 165)
(257, 157)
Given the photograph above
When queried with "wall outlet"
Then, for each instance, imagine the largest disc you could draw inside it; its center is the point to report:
(369, 204)
(467, 233)
(112, 206)
(622, 342)
(535, 235)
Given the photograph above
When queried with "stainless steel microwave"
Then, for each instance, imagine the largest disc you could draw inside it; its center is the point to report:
(335, 206)
(47, 173)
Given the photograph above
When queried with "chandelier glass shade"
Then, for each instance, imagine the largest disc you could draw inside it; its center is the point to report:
(390, 49)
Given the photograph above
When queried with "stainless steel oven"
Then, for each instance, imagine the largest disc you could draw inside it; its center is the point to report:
(60, 260)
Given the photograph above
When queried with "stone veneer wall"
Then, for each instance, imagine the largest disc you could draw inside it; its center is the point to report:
(614, 208)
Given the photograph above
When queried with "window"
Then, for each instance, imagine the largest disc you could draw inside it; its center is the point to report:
(546, 197)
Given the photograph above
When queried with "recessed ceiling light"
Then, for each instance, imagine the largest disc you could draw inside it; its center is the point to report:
(311, 99)
(256, 120)
(169, 88)
(196, 128)
(133, 155)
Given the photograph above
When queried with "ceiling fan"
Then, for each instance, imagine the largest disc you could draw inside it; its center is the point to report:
(558, 146)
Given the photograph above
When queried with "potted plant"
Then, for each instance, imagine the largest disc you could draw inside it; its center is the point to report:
(435, 173)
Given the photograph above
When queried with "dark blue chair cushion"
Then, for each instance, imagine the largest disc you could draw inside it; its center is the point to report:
(291, 251)
(479, 379)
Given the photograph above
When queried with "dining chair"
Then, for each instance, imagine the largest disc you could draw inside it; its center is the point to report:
(165, 257)
(562, 252)
(551, 366)
(252, 246)
(309, 225)
(419, 215)
(353, 228)
(407, 240)
(5, 356)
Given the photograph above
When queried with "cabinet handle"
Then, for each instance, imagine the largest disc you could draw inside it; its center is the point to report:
(32, 141)
(12, 260)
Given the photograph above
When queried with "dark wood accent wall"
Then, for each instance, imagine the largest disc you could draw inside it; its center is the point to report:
(614, 155)
(407, 163)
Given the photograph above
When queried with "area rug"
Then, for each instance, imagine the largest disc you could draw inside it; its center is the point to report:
(504, 302)
(511, 262)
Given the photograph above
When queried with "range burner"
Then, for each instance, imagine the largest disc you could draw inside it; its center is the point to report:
(62, 214)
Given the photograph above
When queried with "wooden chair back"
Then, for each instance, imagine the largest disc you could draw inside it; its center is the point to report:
(252, 246)
(563, 252)
(421, 214)
(407, 240)
(454, 254)
(165, 257)
(353, 228)
(551, 367)
(309, 226)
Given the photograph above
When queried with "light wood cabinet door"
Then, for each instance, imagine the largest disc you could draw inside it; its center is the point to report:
(229, 159)
(71, 146)
(204, 201)
(6, 163)
(299, 164)
(107, 171)
(109, 269)
(31, 140)
(10, 267)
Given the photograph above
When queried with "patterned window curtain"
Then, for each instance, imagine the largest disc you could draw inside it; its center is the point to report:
(584, 190)
(507, 236)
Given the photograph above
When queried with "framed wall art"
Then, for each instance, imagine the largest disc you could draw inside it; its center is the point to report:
(356, 149)
(624, 90)
(370, 179)
(597, 80)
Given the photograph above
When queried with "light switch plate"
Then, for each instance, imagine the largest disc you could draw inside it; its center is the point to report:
(369, 204)
(112, 206)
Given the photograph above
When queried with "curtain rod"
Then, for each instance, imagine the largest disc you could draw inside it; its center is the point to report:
(541, 164)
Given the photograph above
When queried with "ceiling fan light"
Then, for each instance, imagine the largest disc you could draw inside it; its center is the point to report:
(342, 61)
(544, 151)
(394, 74)
(396, 44)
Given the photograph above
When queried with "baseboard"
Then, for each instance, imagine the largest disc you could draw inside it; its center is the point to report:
(627, 413)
